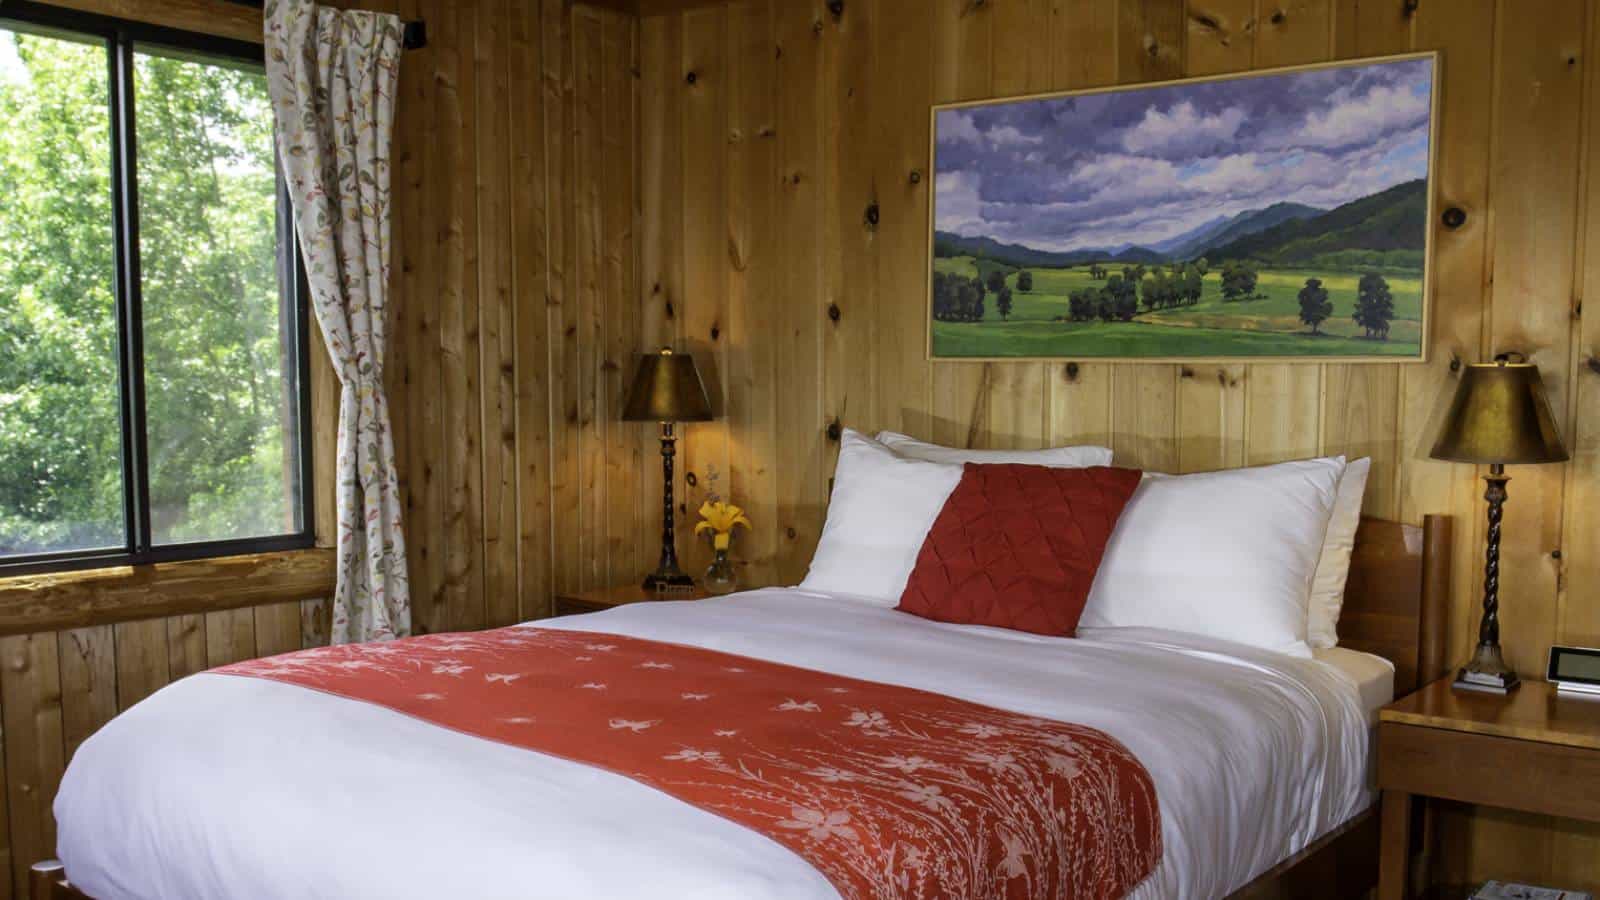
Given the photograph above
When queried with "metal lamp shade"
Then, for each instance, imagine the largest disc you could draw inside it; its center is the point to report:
(1500, 414)
(667, 388)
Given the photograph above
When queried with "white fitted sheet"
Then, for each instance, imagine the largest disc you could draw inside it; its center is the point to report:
(1373, 676)
(219, 787)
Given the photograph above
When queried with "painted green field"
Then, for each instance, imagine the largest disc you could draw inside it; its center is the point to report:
(1266, 326)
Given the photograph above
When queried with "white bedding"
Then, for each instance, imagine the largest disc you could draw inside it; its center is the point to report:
(219, 786)
(1373, 676)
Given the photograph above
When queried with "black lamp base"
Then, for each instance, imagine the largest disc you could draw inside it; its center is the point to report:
(1487, 672)
(667, 578)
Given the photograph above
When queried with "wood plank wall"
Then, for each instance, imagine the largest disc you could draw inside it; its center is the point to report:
(768, 129)
(514, 273)
(568, 196)
(516, 319)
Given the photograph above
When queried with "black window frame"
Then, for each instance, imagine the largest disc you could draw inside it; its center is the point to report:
(120, 38)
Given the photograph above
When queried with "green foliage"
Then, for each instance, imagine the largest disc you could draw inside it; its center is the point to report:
(1119, 299)
(1194, 283)
(1374, 306)
(1082, 304)
(957, 298)
(1238, 280)
(1002, 301)
(216, 402)
(1179, 284)
(1025, 281)
(1315, 307)
(59, 440)
(995, 280)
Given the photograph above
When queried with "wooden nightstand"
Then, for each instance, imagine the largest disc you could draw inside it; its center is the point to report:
(571, 604)
(1532, 750)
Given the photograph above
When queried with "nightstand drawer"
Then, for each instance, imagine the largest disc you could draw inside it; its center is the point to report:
(1532, 776)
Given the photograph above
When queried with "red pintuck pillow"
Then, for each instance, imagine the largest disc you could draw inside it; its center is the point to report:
(1018, 546)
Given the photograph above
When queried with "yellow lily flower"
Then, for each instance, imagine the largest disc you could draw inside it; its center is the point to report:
(720, 519)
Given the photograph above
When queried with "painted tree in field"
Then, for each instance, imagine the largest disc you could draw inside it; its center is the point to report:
(1152, 292)
(1119, 300)
(1193, 283)
(1025, 281)
(1127, 302)
(972, 301)
(1002, 302)
(1374, 306)
(942, 301)
(1238, 280)
(996, 280)
(1082, 304)
(1105, 304)
(1315, 307)
(957, 298)
(1159, 291)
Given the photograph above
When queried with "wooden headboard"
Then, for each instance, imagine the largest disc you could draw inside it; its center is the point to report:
(1397, 596)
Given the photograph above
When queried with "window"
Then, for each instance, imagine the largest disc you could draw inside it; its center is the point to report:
(152, 333)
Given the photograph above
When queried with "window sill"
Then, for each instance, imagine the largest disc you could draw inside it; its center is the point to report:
(60, 600)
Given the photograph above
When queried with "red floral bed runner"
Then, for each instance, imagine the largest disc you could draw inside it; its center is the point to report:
(887, 791)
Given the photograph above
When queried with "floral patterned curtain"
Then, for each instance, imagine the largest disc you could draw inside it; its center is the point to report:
(332, 77)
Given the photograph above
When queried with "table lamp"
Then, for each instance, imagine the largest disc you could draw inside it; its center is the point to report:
(667, 389)
(1500, 416)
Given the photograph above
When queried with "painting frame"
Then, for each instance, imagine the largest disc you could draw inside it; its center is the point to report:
(1430, 220)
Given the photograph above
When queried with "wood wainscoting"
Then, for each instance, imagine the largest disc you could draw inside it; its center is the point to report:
(57, 688)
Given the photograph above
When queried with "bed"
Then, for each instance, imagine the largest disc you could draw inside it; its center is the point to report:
(1261, 761)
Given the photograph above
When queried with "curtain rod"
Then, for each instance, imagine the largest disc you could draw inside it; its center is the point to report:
(413, 37)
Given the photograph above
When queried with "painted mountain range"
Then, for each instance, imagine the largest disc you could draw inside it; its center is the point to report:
(1388, 223)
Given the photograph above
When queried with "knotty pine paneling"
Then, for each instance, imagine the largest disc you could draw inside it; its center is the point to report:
(822, 313)
(58, 688)
(567, 196)
(518, 312)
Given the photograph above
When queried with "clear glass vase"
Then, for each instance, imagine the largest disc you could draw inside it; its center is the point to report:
(720, 577)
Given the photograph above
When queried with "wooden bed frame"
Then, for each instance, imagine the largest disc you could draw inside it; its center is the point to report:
(1394, 607)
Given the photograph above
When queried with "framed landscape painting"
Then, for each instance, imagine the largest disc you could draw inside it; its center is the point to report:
(1275, 215)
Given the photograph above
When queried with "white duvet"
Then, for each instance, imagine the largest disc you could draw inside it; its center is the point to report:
(221, 786)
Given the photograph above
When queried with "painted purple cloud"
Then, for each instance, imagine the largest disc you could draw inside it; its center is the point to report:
(1141, 165)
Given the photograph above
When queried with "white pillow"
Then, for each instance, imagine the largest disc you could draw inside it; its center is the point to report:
(1055, 457)
(883, 506)
(1224, 554)
(1327, 585)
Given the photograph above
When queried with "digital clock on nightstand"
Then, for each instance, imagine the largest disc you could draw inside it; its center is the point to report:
(1575, 670)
